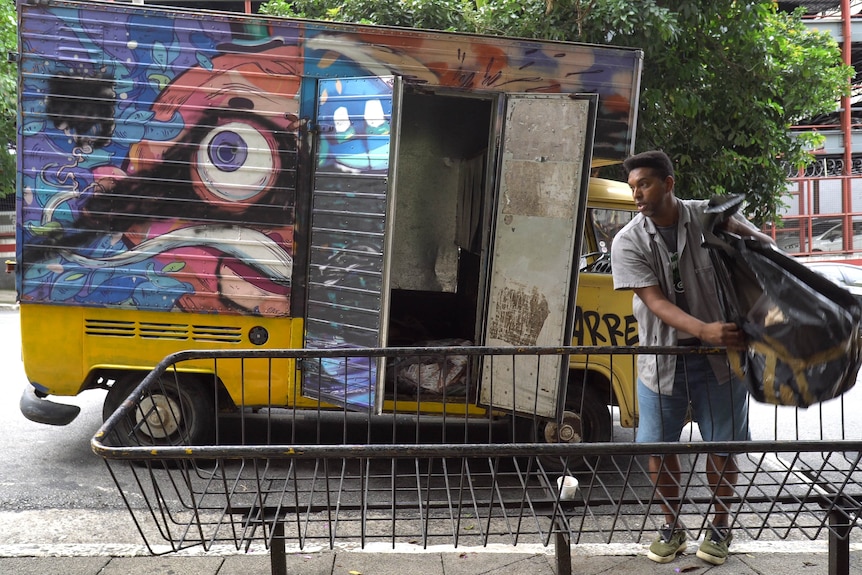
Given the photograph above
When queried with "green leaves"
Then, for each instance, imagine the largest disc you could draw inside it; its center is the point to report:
(8, 96)
(723, 80)
(720, 97)
(436, 15)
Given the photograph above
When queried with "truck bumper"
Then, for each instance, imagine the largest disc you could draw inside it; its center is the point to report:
(37, 408)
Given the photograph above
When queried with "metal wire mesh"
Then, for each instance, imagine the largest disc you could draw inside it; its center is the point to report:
(461, 477)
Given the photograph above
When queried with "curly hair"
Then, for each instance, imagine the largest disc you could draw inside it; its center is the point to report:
(655, 159)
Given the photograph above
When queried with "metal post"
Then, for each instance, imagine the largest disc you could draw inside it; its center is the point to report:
(277, 556)
(563, 551)
(839, 543)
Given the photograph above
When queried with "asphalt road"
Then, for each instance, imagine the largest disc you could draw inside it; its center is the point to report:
(53, 489)
(45, 466)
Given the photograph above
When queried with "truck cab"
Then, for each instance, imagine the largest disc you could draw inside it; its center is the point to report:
(603, 318)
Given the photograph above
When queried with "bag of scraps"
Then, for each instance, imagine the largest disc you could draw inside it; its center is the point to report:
(803, 330)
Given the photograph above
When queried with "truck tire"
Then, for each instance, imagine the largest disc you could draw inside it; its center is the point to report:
(586, 419)
(177, 411)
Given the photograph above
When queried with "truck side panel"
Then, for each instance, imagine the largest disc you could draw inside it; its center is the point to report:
(155, 176)
(164, 160)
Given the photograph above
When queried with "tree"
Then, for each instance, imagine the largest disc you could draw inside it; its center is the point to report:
(8, 97)
(720, 94)
(723, 80)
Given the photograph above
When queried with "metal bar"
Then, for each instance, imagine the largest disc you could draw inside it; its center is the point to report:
(839, 544)
(277, 555)
(562, 552)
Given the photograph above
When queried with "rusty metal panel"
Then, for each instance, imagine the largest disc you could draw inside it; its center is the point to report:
(546, 146)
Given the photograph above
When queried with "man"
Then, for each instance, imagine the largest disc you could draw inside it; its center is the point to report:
(659, 256)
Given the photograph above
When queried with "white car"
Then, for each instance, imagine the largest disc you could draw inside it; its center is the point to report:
(847, 276)
(832, 240)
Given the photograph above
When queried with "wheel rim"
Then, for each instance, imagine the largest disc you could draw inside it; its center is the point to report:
(158, 416)
(568, 430)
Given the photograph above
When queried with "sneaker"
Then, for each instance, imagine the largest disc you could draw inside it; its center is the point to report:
(714, 548)
(668, 543)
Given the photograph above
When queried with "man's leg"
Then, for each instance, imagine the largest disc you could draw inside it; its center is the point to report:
(661, 419)
(665, 474)
(721, 412)
(721, 473)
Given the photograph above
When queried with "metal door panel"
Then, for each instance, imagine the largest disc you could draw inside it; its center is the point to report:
(545, 157)
(348, 253)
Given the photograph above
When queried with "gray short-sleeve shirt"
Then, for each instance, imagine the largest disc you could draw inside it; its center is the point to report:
(641, 259)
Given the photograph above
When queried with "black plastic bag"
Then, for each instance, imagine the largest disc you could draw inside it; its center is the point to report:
(803, 330)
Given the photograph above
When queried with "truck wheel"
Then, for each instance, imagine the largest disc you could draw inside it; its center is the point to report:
(178, 411)
(586, 419)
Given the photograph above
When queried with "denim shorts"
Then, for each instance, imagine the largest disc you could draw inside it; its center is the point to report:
(721, 411)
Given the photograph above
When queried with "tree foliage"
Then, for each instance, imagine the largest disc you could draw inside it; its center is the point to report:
(723, 80)
(721, 93)
(8, 97)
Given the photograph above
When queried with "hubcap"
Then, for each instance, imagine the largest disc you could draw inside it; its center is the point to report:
(569, 430)
(158, 416)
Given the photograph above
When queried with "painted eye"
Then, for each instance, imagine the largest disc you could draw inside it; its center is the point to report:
(236, 162)
(341, 118)
(228, 151)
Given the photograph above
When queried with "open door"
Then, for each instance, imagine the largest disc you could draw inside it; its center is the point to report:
(543, 179)
(351, 202)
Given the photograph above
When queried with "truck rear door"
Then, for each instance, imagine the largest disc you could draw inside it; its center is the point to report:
(355, 141)
(543, 179)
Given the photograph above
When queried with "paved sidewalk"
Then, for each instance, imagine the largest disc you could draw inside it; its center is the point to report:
(756, 558)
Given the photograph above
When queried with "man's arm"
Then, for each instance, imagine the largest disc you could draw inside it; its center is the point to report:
(715, 333)
(746, 229)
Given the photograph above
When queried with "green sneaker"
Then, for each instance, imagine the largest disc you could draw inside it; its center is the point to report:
(714, 548)
(666, 546)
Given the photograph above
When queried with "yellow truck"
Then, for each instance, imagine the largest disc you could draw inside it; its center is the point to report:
(192, 179)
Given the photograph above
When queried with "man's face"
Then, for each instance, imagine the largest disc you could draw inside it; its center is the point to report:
(651, 193)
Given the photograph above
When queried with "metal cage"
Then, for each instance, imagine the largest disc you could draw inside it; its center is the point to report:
(461, 476)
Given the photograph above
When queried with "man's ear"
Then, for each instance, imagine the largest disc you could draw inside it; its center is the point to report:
(669, 183)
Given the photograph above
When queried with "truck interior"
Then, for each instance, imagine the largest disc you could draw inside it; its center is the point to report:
(441, 210)
(440, 233)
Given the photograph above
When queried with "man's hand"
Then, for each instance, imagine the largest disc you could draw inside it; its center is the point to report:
(723, 334)
(716, 333)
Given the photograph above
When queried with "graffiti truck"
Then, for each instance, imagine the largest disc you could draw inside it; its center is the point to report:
(195, 179)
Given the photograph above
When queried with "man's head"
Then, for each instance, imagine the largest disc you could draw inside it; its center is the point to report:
(655, 159)
(650, 176)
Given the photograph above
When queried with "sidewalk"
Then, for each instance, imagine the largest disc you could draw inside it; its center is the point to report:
(757, 560)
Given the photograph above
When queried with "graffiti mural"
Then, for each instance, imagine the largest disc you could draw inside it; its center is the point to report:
(162, 151)
(160, 171)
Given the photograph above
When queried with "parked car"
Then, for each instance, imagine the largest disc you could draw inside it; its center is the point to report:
(848, 276)
(794, 231)
(832, 240)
